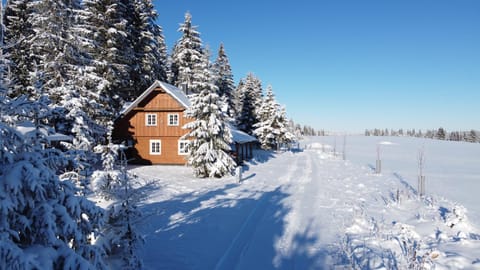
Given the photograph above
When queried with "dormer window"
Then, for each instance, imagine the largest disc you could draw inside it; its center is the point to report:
(150, 120)
(173, 119)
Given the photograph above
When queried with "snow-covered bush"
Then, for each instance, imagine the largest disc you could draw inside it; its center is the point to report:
(39, 211)
(120, 234)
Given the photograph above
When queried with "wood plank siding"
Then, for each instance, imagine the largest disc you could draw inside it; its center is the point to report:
(164, 125)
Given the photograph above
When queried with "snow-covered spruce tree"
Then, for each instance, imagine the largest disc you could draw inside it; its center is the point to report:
(120, 232)
(86, 133)
(472, 136)
(224, 80)
(69, 79)
(265, 129)
(53, 43)
(43, 223)
(249, 100)
(67, 70)
(209, 133)
(272, 129)
(285, 136)
(17, 34)
(440, 134)
(186, 57)
(105, 35)
(148, 45)
(120, 235)
(103, 181)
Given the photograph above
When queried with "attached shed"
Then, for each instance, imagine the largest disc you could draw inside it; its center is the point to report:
(243, 145)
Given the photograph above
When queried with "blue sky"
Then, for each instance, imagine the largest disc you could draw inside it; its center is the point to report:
(347, 65)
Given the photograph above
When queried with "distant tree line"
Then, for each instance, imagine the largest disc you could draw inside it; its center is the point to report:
(305, 130)
(472, 136)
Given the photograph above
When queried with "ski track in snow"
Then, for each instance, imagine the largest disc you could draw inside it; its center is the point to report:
(244, 237)
(307, 210)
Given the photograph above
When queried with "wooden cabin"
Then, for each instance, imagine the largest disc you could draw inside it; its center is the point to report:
(151, 126)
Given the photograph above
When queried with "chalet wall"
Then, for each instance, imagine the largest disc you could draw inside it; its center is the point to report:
(138, 128)
(134, 126)
(169, 151)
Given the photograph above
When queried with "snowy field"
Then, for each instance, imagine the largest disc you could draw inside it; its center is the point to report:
(452, 169)
(313, 210)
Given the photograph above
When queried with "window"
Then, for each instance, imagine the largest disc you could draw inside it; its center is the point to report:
(155, 147)
(183, 147)
(173, 119)
(151, 119)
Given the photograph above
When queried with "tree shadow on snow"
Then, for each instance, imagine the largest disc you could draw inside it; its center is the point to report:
(306, 252)
(261, 156)
(224, 229)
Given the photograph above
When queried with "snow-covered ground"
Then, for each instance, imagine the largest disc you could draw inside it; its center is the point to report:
(452, 169)
(310, 210)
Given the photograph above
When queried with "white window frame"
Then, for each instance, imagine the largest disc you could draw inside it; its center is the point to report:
(151, 119)
(181, 150)
(151, 147)
(171, 116)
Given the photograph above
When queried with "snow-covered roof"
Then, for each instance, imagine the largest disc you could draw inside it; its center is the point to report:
(27, 129)
(176, 93)
(239, 136)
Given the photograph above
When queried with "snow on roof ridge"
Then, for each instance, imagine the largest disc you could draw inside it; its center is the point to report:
(176, 93)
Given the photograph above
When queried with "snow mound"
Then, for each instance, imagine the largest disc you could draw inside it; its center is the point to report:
(386, 143)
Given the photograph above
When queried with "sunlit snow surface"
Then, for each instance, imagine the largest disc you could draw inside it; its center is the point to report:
(313, 210)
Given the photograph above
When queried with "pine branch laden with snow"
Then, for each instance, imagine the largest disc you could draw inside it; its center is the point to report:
(209, 134)
(41, 214)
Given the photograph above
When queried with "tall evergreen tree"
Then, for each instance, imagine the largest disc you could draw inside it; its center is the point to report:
(186, 57)
(43, 223)
(148, 45)
(54, 44)
(272, 129)
(209, 132)
(67, 71)
(440, 134)
(105, 23)
(249, 101)
(472, 136)
(224, 79)
(285, 136)
(18, 32)
(265, 129)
